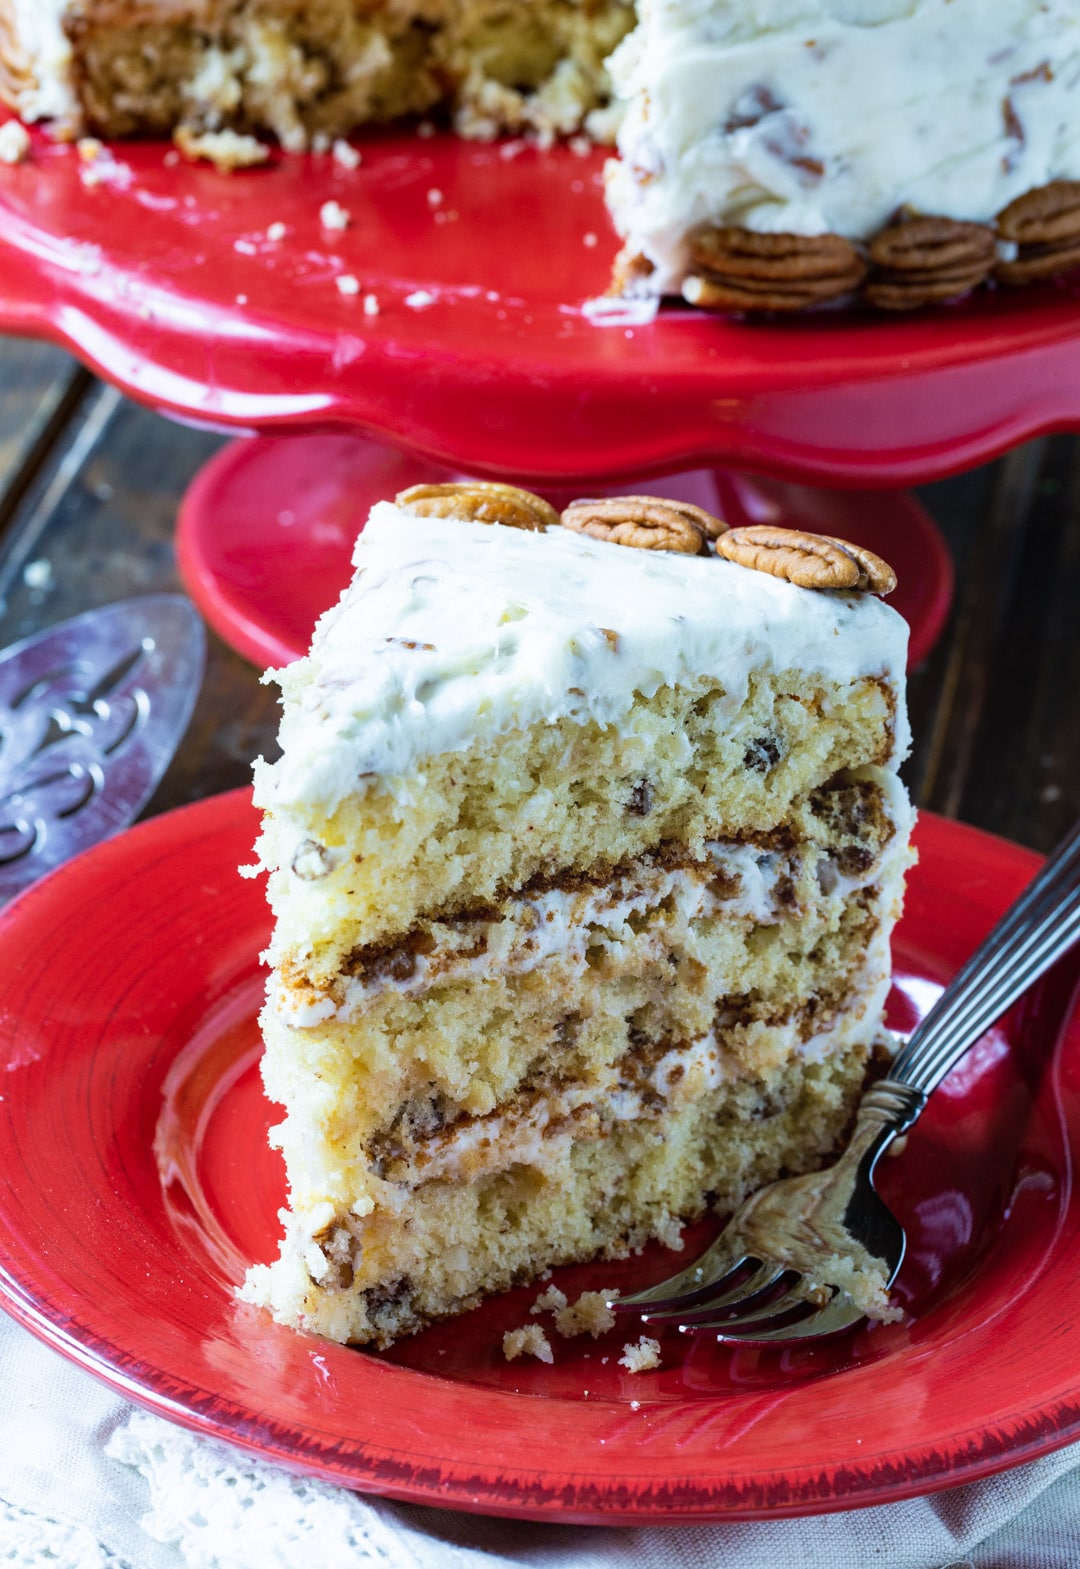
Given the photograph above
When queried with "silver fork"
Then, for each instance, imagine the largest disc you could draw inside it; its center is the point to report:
(781, 1269)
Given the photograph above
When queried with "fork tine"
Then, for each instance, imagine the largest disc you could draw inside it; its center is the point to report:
(698, 1282)
(840, 1314)
(789, 1308)
(751, 1293)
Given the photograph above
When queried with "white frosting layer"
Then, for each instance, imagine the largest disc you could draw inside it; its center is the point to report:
(452, 631)
(41, 36)
(818, 116)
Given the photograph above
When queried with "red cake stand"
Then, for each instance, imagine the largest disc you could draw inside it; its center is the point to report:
(453, 318)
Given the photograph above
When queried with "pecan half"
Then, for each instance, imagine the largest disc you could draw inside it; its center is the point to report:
(479, 501)
(876, 576)
(808, 560)
(1045, 216)
(1045, 225)
(645, 522)
(740, 270)
(924, 261)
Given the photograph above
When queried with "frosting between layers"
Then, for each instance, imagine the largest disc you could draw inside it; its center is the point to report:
(453, 632)
(558, 923)
(542, 1135)
(739, 880)
(826, 116)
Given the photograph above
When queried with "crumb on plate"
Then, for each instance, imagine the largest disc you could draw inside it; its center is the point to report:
(226, 150)
(550, 1301)
(14, 142)
(589, 1315)
(529, 1340)
(640, 1357)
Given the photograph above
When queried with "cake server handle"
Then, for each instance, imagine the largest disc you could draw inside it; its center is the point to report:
(1042, 924)
(91, 713)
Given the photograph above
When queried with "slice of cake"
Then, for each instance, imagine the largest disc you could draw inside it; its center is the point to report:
(787, 153)
(584, 861)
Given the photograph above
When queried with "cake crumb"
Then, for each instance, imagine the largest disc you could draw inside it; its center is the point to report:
(580, 146)
(320, 143)
(635, 1405)
(371, 305)
(345, 154)
(226, 150)
(530, 1340)
(276, 231)
(434, 197)
(550, 1301)
(641, 1357)
(14, 142)
(347, 284)
(589, 1315)
(589, 241)
(332, 215)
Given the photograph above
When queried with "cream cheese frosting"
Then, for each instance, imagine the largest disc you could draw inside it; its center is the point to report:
(454, 630)
(827, 116)
(38, 26)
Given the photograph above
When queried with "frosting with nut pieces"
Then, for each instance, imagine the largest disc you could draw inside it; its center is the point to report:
(404, 673)
(765, 145)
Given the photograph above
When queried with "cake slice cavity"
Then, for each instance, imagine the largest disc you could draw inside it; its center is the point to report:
(306, 73)
(584, 862)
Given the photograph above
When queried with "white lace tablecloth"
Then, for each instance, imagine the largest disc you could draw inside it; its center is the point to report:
(89, 1482)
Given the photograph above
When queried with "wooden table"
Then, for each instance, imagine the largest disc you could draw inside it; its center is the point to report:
(89, 484)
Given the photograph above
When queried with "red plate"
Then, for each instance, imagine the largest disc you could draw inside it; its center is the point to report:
(130, 988)
(160, 275)
(265, 534)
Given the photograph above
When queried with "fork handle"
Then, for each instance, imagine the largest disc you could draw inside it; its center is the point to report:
(1035, 931)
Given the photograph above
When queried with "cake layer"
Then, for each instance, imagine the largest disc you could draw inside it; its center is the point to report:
(308, 68)
(828, 117)
(608, 1188)
(585, 693)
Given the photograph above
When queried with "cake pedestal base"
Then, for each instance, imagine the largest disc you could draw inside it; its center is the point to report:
(266, 531)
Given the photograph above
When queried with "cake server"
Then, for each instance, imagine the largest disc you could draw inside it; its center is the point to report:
(777, 1272)
(91, 712)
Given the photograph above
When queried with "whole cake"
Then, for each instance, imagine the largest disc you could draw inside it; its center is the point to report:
(584, 861)
(774, 155)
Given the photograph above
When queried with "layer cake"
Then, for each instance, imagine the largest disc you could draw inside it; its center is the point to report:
(584, 861)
